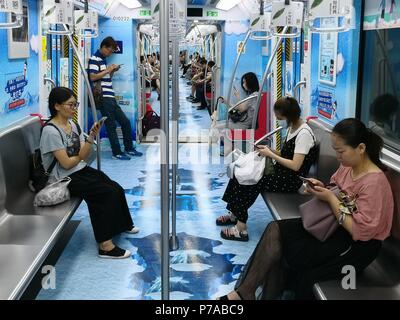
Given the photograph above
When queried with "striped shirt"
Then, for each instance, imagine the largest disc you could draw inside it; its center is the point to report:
(98, 63)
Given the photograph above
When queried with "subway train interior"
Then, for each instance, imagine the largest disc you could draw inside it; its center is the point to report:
(190, 108)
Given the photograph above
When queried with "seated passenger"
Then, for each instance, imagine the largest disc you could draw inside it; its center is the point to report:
(298, 153)
(246, 109)
(109, 212)
(287, 251)
(383, 111)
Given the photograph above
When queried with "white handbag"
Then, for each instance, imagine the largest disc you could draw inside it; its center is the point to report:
(248, 168)
(53, 194)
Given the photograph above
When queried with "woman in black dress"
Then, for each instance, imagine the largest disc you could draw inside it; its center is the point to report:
(299, 152)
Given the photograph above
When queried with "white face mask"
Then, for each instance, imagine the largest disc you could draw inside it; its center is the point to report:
(283, 124)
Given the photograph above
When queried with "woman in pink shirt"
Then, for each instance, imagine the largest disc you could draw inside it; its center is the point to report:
(288, 257)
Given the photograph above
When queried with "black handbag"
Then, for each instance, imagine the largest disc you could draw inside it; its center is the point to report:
(150, 121)
(237, 116)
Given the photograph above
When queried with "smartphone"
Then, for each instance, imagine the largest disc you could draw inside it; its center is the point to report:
(308, 182)
(120, 65)
(101, 121)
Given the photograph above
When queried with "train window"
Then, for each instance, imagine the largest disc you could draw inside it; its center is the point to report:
(380, 102)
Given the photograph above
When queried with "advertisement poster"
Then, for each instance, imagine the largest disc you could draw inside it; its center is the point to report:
(381, 14)
(333, 84)
(18, 96)
(327, 105)
(328, 53)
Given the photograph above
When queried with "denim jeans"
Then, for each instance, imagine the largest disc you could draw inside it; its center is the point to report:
(114, 113)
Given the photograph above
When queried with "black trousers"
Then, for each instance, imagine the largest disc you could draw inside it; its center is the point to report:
(108, 209)
(113, 112)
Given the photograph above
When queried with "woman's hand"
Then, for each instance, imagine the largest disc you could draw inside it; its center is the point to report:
(316, 182)
(264, 151)
(95, 130)
(321, 193)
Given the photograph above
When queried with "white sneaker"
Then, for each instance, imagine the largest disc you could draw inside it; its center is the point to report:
(134, 230)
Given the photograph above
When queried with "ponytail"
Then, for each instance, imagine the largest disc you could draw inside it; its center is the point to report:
(374, 146)
(354, 132)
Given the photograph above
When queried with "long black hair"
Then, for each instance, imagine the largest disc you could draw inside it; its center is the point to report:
(251, 83)
(58, 95)
(354, 132)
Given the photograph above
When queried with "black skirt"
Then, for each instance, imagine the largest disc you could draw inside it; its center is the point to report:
(108, 209)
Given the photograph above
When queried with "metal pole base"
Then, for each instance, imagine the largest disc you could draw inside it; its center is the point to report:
(173, 243)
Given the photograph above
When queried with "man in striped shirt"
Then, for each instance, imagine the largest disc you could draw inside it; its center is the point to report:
(99, 71)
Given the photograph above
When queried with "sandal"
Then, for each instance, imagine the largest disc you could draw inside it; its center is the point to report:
(226, 220)
(234, 234)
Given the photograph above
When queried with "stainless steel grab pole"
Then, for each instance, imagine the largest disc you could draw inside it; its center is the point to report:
(90, 94)
(266, 72)
(164, 75)
(228, 98)
(174, 241)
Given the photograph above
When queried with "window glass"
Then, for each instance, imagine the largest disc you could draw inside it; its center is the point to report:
(381, 84)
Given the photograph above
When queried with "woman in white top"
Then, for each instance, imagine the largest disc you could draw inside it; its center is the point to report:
(298, 153)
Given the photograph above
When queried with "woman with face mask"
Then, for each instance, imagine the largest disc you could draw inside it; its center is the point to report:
(298, 153)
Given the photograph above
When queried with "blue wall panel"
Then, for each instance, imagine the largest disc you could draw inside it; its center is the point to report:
(19, 83)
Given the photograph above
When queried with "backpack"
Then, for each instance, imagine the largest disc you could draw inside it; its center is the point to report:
(150, 121)
(38, 176)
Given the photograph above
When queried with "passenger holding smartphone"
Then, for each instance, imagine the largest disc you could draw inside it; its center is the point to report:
(99, 71)
(64, 141)
(298, 153)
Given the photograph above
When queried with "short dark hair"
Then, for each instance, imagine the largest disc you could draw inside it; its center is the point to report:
(251, 82)
(109, 42)
(59, 95)
(289, 108)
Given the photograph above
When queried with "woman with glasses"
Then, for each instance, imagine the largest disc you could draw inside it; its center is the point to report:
(298, 153)
(63, 140)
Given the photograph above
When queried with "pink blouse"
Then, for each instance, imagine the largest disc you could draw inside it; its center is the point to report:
(374, 202)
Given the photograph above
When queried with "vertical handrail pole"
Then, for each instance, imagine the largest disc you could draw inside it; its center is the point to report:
(174, 243)
(90, 94)
(266, 72)
(164, 75)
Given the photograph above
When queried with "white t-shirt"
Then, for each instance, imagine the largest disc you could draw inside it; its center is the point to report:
(305, 139)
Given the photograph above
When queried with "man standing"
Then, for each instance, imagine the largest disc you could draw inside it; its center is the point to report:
(99, 71)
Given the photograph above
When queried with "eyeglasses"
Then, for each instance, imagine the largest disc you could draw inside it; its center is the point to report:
(72, 105)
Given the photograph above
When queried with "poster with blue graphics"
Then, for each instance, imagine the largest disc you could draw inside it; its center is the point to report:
(334, 80)
(19, 80)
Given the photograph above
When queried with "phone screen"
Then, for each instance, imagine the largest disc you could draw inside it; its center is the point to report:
(102, 120)
(308, 182)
